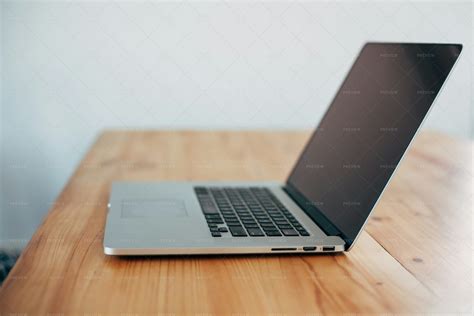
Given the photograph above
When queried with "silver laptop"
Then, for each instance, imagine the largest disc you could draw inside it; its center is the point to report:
(332, 189)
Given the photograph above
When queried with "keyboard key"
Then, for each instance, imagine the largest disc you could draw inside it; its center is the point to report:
(246, 217)
(268, 225)
(249, 222)
(277, 217)
(272, 233)
(234, 222)
(255, 232)
(251, 225)
(289, 232)
(200, 190)
(237, 231)
(215, 221)
(223, 229)
(216, 234)
(208, 208)
(231, 220)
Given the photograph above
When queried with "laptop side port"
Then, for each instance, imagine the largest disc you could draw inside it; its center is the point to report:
(309, 248)
(283, 249)
(329, 248)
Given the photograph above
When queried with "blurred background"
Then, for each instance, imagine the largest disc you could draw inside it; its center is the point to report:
(70, 69)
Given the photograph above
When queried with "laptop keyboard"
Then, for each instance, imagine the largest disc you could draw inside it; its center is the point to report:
(246, 212)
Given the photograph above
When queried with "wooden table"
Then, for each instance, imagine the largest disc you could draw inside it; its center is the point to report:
(415, 255)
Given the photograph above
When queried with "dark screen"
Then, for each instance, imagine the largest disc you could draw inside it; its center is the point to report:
(366, 130)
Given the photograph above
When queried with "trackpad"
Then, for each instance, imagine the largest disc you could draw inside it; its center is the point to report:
(153, 208)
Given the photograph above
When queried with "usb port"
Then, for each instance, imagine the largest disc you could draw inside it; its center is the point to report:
(309, 248)
(329, 248)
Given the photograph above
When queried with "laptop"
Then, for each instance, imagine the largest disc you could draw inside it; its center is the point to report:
(324, 203)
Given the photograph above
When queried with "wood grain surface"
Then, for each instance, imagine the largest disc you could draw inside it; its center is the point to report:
(414, 256)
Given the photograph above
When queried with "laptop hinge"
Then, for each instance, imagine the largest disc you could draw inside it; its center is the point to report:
(313, 212)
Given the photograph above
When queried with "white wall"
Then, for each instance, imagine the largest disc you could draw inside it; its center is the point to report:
(71, 69)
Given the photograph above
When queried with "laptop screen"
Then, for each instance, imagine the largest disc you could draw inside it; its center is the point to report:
(363, 135)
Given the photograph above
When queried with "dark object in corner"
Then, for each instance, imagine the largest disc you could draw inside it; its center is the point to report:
(7, 261)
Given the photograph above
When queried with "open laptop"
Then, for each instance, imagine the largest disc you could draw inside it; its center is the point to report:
(329, 194)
